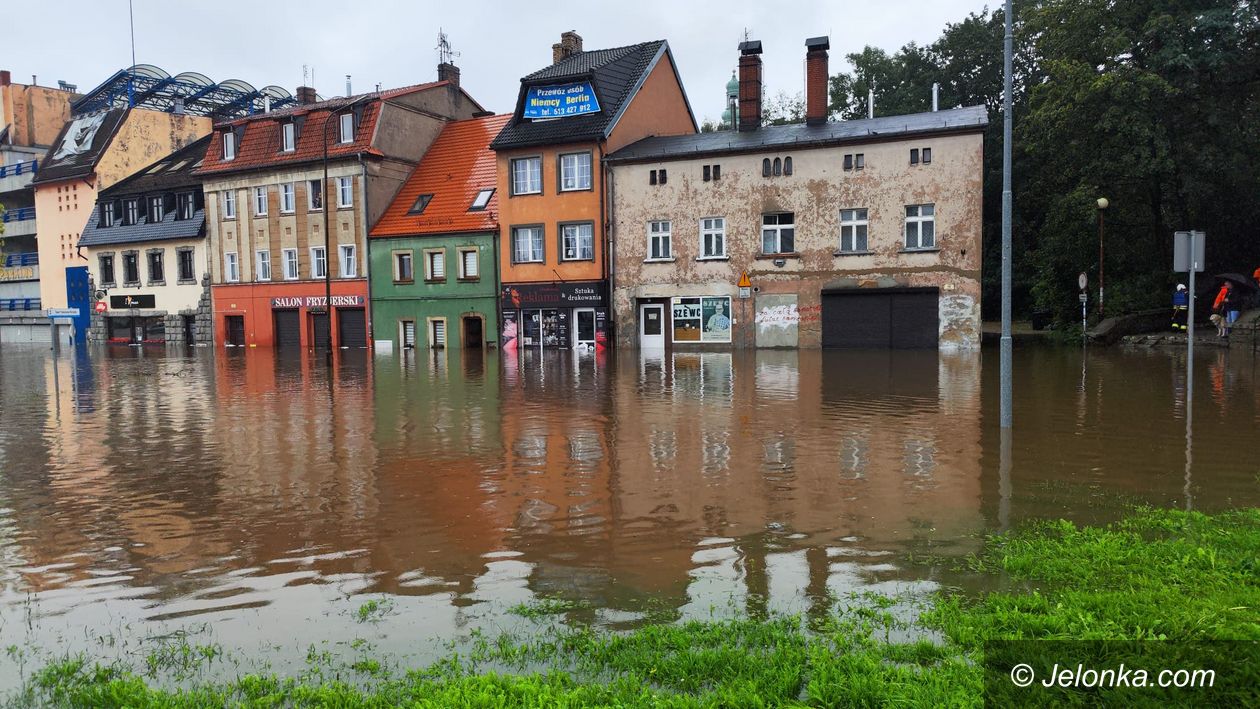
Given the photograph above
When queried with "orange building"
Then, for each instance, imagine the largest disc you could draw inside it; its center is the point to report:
(552, 205)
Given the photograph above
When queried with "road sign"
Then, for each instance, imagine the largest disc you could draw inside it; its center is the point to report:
(1188, 245)
(1084, 297)
(63, 312)
(101, 306)
(1082, 281)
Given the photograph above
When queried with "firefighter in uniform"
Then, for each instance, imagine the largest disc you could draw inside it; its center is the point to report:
(1181, 305)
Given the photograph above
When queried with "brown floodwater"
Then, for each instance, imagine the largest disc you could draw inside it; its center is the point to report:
(257, 501)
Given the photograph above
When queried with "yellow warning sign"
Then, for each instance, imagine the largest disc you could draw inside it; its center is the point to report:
(743, 280)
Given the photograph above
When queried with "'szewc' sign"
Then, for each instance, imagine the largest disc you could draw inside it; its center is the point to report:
(315, 301)
(560, 100)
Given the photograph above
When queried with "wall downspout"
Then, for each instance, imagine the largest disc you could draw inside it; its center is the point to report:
(367, 255)
(605, 220)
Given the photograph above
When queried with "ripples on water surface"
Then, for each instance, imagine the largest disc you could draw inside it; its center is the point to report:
(243, 499)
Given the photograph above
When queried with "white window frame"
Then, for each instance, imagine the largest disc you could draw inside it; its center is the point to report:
(345, 124)
(777, 230)
(290, 258)
(288, 137)
(229, 145)
(313, 188)
(317, 256)
(712, 229)
(660, 232)
(348, 260)
(262, 265)
(538, 256)
(855, 225)
(576, 230)
(260, 201)
(231, 268)
(915, 216)
(464, 274)
(571, 174)
(288, 196)
(434, 258)
(229, 204)
(530, 179)
(345, 192)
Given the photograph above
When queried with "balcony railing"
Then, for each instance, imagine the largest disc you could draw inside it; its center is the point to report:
(29, 167)
(30, 258)
(20, 214)
(19, 304)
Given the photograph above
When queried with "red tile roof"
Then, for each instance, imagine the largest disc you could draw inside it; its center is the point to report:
(259, 146)
(457, 166)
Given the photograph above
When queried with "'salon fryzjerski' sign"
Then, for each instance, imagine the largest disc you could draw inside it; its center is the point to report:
(560, 100)
(315, 301)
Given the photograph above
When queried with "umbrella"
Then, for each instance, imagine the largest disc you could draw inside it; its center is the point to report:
(1237, 279)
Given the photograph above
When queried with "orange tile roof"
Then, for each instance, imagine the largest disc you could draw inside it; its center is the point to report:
(457, 166)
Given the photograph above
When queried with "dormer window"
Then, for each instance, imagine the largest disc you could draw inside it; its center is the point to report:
(421, 202)
(288, 137)
(107, 214)
(347, 127)
(131, 211)
(184, 206)
(229, 145)
(155, 210)
(481, 200)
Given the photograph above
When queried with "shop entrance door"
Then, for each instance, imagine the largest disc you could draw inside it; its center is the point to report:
(652, 326)
(288, 328)
(319, 331)
(584, 324)
(352, 327)
(235, 331)
(472, 332)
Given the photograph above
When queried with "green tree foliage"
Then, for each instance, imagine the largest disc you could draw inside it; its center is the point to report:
(1152, 104)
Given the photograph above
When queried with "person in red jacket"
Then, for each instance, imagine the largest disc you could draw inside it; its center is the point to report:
(1221, 307)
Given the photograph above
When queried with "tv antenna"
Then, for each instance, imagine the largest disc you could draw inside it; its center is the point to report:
(445, 53)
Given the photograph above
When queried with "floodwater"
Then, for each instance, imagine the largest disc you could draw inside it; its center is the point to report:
(256, 502)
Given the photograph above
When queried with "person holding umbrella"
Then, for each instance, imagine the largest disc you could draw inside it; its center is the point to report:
(1221, 307)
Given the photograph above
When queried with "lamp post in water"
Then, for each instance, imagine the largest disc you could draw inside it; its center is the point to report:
(1005, 352)
(1102, 207)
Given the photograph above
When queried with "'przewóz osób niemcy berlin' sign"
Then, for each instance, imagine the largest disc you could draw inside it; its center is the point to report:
(560, 100)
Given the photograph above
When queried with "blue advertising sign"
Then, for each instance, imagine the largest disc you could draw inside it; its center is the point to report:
(560, 100)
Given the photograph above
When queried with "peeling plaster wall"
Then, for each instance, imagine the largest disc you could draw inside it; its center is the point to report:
(816, 192)
(35, 114)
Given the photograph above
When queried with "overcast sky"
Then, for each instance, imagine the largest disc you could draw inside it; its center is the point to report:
(392, 42)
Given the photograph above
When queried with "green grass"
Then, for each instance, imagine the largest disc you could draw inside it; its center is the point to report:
(1170, 577)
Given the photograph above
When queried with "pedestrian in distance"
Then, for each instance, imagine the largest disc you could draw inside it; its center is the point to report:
(1181, 305)
(1220, 309)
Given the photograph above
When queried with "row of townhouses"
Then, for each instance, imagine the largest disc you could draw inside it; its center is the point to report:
(594, 214)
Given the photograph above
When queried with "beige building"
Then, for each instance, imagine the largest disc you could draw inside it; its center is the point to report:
(863, 234)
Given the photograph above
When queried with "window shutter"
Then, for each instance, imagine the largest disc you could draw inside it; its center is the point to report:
(470, 264)
(239, 132)
(298, 122)
(439, 333)
(358, 117)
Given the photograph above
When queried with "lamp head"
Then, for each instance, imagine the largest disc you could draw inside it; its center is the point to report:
(1103, 203)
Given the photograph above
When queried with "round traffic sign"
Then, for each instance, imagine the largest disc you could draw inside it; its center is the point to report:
(1082, 280)
(101, 306)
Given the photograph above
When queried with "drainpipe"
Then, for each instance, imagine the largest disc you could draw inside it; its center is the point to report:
(604, 223)
(367, 253)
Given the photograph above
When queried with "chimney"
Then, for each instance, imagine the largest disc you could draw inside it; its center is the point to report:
(816, 80)
(448, 72)
(570, 44)
(5, 77)
(749, 85)
(266, 103)
(870, 103)
(348, 93)
(936, 94)
(305, 94)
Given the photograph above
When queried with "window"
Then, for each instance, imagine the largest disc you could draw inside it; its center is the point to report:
(131, 212)
(920, 226)
(229, 204)
(319, 262)
(260, 201)
(787, 165)
(231, 269)
(481, 200)
(349, 265)
(853, 226)
(107, 269)
(527, 176)
(185, 206)
(848, 161)
(701, 319)
(657, 177)
(765, 167)
(914, 156)
(778, 167)
(262, 265)
(315, 195)
(778, 233)
(421, 202)
(287, 202)
(717, 172)
(288, 131)
(229, 145)
(157, 272)
(859, 161)
(155, 210)
(345, 192)
(708, 173)
(713, 237)
(469, 269)
(107, 214)
(184, 258)
(527, 244)
(404, 271)
(290, 259)
(439, 333)
(435, 265)
(575, 172)
(131, 268)
(347, 127)
(659, 246)
(927, 155)
(577, 242)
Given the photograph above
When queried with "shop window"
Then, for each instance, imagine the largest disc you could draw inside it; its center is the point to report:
(778, 233)
(577, 242)
(701, 319)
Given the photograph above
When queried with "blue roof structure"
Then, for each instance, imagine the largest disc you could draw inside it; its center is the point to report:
(150, 87)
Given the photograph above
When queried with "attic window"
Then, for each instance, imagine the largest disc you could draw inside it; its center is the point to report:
(483, 198)
(229, 145)
(421, 202)
(288, 133)
(346, 124)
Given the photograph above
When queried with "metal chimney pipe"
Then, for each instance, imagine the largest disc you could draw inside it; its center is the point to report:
(870, 103)
(266, 104)
(936, 91)
(347, 84)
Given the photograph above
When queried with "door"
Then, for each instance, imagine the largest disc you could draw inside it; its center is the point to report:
(903, 319)
(652, 326)
(407, 334)
(235, 331)
(472, 331)
(190, 330)
(352, 327)
(584, 324)
(288, 328)
(437, 333)
(319, 330)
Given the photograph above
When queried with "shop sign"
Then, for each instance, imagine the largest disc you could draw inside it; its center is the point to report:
(132, 301)
(702, 319)
(560, 100)
(19, 273)
(316, 301)
(552, 295)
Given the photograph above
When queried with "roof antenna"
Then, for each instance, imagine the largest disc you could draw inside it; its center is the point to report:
(131, 75)
(445, 53)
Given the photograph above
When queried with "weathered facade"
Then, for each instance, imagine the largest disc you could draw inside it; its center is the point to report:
(434, 259)
(268, 203)
(862, 233)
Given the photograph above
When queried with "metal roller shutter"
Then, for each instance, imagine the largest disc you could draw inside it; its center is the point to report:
(288, 328)
(352, 328)
(880, 319)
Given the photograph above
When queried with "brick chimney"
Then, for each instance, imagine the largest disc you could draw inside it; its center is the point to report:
(750, 85)
(570, 44)
(448, 72)
(816, 80)
(305, 94)
(5, 77)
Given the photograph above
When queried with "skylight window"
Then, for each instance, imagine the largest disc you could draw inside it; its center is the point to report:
(421, 202)
(483, 198)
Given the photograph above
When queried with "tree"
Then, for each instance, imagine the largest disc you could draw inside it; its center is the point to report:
(784, 109)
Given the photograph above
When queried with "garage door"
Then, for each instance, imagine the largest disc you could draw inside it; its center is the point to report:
(352, 328)
(288, 328)
(880, 319)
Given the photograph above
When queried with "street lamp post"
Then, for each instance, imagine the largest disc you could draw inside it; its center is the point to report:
(1102, 207)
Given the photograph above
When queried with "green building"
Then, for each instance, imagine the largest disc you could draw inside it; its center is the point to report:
(434, 258)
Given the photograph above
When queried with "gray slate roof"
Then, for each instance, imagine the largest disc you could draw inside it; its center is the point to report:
(614, 74)
(800, 135)
(165, 230)
(173, 172)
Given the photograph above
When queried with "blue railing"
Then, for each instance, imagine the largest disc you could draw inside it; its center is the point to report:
(30, 258)
(19, 168)
(20, 214)
(19, 304)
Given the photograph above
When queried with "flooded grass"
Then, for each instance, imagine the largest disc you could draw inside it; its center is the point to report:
(1176, 578)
